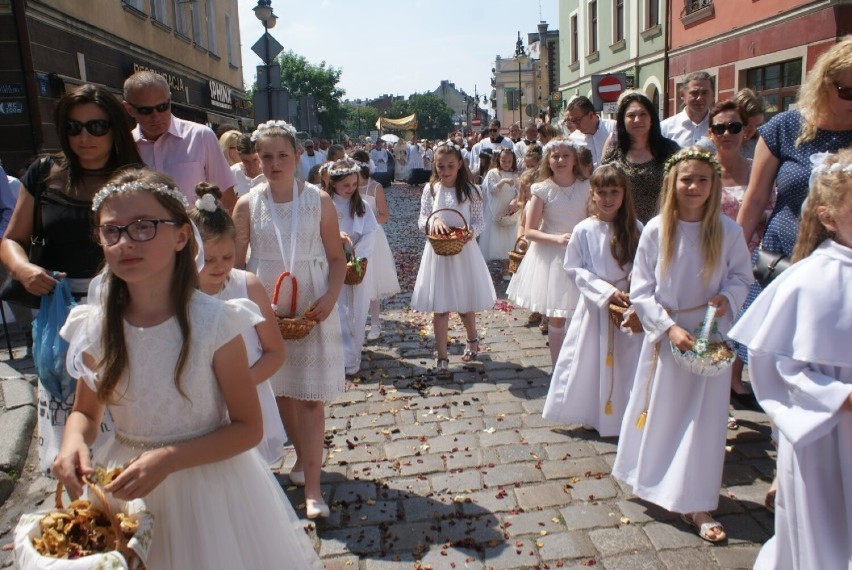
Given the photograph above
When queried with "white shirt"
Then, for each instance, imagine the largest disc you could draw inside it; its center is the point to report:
(380, 159)
(683, 131)
(595, 142)
(244, 184)
(415, 158)
(505, 142)
(306, 162)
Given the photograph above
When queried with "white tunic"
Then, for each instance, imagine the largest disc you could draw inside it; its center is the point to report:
(497, 238)
(354, 301)
(460, 283)
(582, 383)
(675, 461)
(797, 332)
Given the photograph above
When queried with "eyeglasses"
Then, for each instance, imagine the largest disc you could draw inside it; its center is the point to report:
(494, 130)
(161, 108)
(140, 230)
(96, 127)
(844, 93)
(733, 128)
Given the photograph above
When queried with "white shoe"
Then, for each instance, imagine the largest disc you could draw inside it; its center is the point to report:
(297, 478)
(316, 509)
(353, 370)
(375, 332)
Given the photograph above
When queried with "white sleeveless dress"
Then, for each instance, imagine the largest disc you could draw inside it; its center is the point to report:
(271, 447)
(313, 368)
(381, 279)
(227, 514)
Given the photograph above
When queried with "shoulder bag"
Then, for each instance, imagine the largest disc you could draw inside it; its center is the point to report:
(768, 265)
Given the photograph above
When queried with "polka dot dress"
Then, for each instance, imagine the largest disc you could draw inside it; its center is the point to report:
(791, 181)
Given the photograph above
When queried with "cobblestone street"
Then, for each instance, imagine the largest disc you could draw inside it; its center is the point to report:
(463, 472)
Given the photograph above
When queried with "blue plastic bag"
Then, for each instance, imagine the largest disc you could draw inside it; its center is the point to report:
(49, 349)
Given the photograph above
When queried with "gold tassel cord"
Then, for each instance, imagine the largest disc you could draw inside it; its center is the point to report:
(640, 421)
(609, 363)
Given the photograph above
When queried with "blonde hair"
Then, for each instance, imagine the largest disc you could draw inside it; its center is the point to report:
(544, 171)
(226, 141)
(813, 95)
(830, 191)
(711, 223)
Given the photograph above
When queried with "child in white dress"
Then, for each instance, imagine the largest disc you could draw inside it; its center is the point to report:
(500, 187)
(797, 332)
(218, 278)
(672, 443)
(381, 278)
(293, 227)
(558, 204)
(460, 282)
(358, 229)
(170, 363)
(594, 373)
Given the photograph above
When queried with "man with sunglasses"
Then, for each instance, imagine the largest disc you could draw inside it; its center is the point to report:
(493, 141)
(586, 127)
(687, 127)
(186, 151)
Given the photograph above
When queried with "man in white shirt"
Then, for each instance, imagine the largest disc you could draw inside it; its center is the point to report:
(530, 135)
(687, 127)
(310, 158)
(588, 128)
(247, 171)
(379, 156)
(493, 141)
(416, 173)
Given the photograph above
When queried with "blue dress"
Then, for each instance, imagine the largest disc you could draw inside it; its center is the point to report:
(791, 180)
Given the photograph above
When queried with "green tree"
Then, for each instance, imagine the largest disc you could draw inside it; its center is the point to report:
(359, 119)
(433, 115)
(300, 77)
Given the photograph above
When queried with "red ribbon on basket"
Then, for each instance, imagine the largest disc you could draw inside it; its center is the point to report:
(295, 291)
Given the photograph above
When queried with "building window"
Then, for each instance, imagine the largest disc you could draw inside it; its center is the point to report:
(179, 14)
(695, 5)
(212, 44)
(652, 14)
(575, 40)
(777, 84)
(197, 31)
(229, 37)
(133, 4)
(593, 27)
(158, 11)
(618, 20)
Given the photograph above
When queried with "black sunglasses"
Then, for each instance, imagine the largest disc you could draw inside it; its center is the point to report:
(96, 127)
(844, 93)
(161, 108)
(733, 128)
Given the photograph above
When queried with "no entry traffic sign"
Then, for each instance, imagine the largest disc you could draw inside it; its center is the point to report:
(609, 88)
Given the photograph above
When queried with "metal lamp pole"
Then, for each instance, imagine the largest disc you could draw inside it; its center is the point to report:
(263, 12)
(519, 52)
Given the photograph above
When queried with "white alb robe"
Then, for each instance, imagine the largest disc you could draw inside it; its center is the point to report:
(354, 301)
(676, 460)
(798, 334)
(582, 383)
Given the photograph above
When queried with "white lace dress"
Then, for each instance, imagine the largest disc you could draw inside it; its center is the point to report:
(499, 234)
(459, 283)
(228, 514)
(313, 368)
(381, 278)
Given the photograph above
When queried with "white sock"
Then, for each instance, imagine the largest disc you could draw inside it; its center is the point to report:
(375, 309)
(555, 336)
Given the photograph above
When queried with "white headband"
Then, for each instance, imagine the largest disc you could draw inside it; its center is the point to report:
(354, 168)
(263, 127)
(111, 190)
(560, 142)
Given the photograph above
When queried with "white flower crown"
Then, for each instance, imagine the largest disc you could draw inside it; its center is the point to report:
(207, 203)
(340, 172)
(835, 168)
(561, 142)
(111, 190)
(263, 127)
(450, 144)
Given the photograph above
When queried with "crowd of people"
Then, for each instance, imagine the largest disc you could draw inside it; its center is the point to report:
(206, 248)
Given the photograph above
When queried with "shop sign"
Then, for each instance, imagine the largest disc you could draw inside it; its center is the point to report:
(176, 82)
(11, 107)
(220, 95)
(11, 89)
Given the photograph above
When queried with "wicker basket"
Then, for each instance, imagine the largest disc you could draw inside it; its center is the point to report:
(292, 327)
(510, 220)
(616, 315)
(517, 254)
(451, 244)
(711, 354)
(353, 276)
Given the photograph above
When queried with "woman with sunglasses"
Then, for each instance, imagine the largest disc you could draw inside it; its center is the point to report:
(54, 207)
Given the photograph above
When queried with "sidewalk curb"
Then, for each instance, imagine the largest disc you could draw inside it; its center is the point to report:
(17, 421)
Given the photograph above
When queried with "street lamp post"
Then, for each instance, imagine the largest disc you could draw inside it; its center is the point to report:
(263, 12)
(519, 53)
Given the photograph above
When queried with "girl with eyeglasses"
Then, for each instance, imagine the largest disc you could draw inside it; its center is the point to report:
(54, 210)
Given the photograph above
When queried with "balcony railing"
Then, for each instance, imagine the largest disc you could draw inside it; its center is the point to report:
(695, 5)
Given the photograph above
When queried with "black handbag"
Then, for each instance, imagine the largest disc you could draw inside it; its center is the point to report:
(768, 265)
(12, 290)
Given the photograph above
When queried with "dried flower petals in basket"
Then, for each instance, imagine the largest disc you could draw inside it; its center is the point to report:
(356, 267)
(711, 355)
(509, 219)
(452, 243)
(292, 327)
(517, 254)
(617, 315)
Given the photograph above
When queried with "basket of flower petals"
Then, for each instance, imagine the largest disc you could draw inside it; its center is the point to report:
(292, 327)
(450, 243)
(711, 354)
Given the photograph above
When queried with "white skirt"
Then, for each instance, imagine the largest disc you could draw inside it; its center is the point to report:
(459, 283)
(228, 514)
(381, 278)
(541, 284)
(271, 447)
(497, 240)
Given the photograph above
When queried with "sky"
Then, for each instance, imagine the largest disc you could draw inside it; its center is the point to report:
(398, 47)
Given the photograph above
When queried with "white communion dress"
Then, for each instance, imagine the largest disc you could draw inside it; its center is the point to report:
(541, 283)
(498, 237)
(594, 372)
(459, 283)
(271, 447)
(381, 279)
(230, 514)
